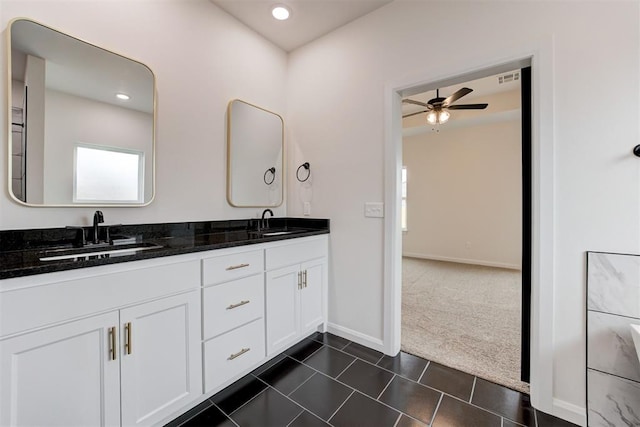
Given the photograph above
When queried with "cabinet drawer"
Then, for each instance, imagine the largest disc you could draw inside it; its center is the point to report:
(232, 304)
(233, 353)
(229, 267)
(295, 253)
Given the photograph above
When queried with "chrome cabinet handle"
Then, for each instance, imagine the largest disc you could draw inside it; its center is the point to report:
(127, 338)
(112, 343)
(299, 279)
(304, 275)
(241, 303)
(235, 267)
(238, 354)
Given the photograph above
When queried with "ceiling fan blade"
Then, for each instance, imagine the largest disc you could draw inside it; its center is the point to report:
(411, 101)
(414, 114)
(468, 107)
(457, 95)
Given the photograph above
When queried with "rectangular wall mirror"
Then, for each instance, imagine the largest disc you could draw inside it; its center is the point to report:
(82, 122)
(255, 156)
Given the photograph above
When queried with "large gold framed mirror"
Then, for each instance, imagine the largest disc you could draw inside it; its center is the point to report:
(255, 156)
(82, 122)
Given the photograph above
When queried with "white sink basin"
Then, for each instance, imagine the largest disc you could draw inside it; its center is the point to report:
(635, 333)
(276, 233)
(111, 251)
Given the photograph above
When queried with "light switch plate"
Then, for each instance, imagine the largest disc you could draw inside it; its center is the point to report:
(306, 210)
(374, 209)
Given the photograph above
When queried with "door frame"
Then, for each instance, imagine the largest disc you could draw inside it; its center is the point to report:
(538, 55)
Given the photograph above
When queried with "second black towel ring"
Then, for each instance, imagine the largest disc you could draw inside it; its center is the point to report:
(273, 175)
(307, 166)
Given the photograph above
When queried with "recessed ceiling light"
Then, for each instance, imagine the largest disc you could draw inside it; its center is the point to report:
(123, 96)
(280, 12)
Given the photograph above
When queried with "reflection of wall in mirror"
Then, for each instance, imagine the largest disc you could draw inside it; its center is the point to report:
(70, 120)
(256, 147)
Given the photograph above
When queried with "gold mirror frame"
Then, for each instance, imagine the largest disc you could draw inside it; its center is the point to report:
(10, 127)
(230, 151)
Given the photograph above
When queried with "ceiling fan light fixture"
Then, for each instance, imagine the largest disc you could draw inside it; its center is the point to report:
(438, 117)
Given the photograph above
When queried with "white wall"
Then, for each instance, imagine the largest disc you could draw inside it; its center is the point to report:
(464, 191)
(336, 109)
(202, 58)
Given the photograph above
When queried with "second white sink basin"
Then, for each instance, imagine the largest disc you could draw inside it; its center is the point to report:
(635, 333)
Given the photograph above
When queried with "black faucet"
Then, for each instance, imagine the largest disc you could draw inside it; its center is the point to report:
(98, 218)
(264, 222)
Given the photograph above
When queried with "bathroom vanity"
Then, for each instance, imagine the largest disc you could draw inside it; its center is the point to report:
(140, 338)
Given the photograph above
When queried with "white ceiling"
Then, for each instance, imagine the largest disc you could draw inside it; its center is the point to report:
(81, 69)
(309, 19)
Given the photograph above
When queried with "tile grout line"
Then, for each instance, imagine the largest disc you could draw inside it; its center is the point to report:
(190, 418)
(385, 387)
(296, 417)
(245, 403)
(423, 371)
(303, 383)
(398, 419)
(340, 407)
(219, 409)
(348, 366)
(433, 418)
(473, 388)
(316, 350)
(293, 401)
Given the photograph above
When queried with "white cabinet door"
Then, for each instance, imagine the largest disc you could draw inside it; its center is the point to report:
(61, 376)
(161, 363)
(311, 301)
(282, 314)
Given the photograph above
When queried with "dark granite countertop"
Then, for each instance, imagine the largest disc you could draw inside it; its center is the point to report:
(21, 250)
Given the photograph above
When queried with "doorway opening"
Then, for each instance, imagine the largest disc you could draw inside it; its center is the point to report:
(466, 226)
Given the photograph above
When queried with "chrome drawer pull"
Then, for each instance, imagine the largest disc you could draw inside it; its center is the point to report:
(235, 267)
(241, 303)
(238, 354)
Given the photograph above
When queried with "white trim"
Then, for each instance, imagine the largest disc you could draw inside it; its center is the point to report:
(539, 53)
(355, 336)
(570, 412)
(462, 260)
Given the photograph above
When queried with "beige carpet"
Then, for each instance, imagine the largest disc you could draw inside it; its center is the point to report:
(464, 316)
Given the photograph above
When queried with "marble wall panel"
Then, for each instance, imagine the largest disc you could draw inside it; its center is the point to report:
(614, 283)
(610, 345)
(612, 401)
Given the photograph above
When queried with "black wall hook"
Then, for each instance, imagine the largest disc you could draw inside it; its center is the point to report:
(307, 166)
(636, 150)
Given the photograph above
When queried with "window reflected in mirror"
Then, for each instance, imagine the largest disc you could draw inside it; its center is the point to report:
(108, 174)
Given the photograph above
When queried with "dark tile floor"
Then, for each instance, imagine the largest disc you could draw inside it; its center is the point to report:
(327, 380)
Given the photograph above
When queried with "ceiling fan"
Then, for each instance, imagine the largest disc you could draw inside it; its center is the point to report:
(437, 107)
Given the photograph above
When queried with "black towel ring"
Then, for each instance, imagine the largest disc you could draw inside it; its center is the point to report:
(273, 176)
(307, 166)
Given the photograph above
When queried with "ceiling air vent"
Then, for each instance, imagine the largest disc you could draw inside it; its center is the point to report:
(511, 77)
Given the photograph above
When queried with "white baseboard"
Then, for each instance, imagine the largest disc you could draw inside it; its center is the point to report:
(358, 337)
(570, 412)
(462, 260)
